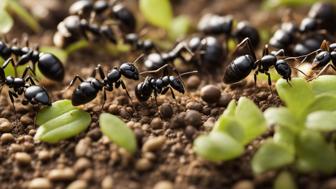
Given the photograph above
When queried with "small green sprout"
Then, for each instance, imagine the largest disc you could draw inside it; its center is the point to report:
(300, 127)
(60, 121)
(6, 21)
(160, 14)
(117, 131)
(240, 123)
(284, 181)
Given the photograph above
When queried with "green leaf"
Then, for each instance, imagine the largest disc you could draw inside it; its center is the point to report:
(250, 118)
(179, 27)
(284, 181)
(286, 137)
(6, 21)
(117, 131)
(230, 126)
(157, 12)
(217, 146)
(14, 6)
(321, 121)
(282, 117)
(297, 95)
(323, 102)
(230, 109)
(271, 156)
(269, 4)
(61, 121)
(314, 153)
(324, 84)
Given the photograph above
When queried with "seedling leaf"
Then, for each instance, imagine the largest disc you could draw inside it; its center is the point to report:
(157, 12)
(57, 109)
(230, 109)
(6, 21)
(324, 84)
(284, 181)
(217, 146)
(250, 118)
(324, 102)
(179, 27)
(321, 121)
(282, 117)
(286, 137)
(270, 156)
(230, 126)
(117, 131)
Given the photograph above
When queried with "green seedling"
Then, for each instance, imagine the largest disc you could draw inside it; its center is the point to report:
(13, 6)
(117, 131)
(284, 181)
(300, 128)
(60, 121)
(160, 13)
(240, 123)
(267, 4)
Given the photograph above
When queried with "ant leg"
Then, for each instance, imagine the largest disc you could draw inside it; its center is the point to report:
(29, 78)
(322, 71)
(100, 71)
(280, 52)
(270, 82)
(172, 93)
(104, 100)
(255, 78)
(12, 95)
(25, 72)
(7, 62)
(265, 50)
(72, 82)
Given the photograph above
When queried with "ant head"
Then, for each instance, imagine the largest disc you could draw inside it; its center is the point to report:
(308, 24)
(129, 71)
(176, 84)
(283, 69)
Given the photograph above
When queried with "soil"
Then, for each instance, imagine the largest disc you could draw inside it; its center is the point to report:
(165, 131)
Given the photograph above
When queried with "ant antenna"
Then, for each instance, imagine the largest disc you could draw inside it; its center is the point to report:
(188, 73)
(136, 61)
(155, 71)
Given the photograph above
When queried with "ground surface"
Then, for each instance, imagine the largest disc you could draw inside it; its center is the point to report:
(164, 133)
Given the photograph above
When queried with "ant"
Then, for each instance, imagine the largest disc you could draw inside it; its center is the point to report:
(88, 89)
(100, 8)
(72, 28)
(154, 86)
(49, 65)
(246, 61)
(137, 43)
(211, 24)
(33, 94)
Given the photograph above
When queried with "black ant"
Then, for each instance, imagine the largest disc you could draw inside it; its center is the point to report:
(49, 65)
(246, 61)
(105, 10)
(88, 89)
(33, 94)
(145, 45)
(73, 28)
(154, 86)
(211, 24)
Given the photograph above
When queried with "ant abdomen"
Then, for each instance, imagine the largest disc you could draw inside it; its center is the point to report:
(240, 68)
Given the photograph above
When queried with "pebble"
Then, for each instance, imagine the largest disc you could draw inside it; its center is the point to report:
(224, 99)
(166, 111)
(113, 109)
(5, 125)
(194, 106)
(64, 174)
(193, 118)
(15, 148)
(107, 182)
(23, 158)
(82, 147)
(26, 120)
(190, 131)
(154, 144)
(244, 184)
(330, 184)
(7, 138)
(95, 134)
(82, 164)
(164, 185)
(40, 183)
(143, 164)
(156, 123)
(210, 94)
(193, 82)
(178, 121)
(78, 184)
(43, 155)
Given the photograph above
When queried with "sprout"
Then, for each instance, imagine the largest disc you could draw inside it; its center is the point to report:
(60, 121)
(117, 131)
(284, 181)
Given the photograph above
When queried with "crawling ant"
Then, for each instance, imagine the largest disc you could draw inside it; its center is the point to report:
(154, 86)
(246, 61)
(211, 24)
(49, 65)
(88, 89)
(73, 28)
(105, 10)
(33, 94)
(145, 45)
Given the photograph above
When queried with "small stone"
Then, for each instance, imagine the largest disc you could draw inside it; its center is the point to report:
(107, 183)
(193, 82)
(7, 138)
(210, 94)
(143, 164)
(64, 174)
(194, 106)
(243, 184)
(82, 147)
(23, 158)
(193, 118)
(15, 148)
(40, 183)
(82, 164)
(330, 184)
(164, 185)
(166, 111)
(156, 123)
(113, 109)
(78, 184)
(26, 120)
(190, 131)
(178, 121)
(224, 99)
(154, 144)
(5, 125)
(44, 155)
(95, 134)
